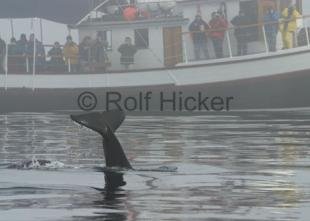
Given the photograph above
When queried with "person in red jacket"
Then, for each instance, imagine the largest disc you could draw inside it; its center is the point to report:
(219, 25)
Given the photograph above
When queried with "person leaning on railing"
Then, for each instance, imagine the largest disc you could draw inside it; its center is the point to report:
(99, 53)
(289, 25)
(271, 28)
(13, 56)
(71, 54)
(38, 54)
(22, 53)
(2, 54)
(198, 29)
(128, 51)
(56, 63)
(218, 25)
(242, 32)
(85, 59)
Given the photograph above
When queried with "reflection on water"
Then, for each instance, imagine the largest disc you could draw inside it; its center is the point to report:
(234, 166)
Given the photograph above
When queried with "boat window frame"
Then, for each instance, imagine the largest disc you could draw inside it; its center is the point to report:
(142, 45)
(108, 37)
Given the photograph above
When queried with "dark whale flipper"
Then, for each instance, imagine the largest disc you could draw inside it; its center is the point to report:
(106, 123)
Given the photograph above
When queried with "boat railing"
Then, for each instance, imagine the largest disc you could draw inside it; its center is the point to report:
(255, 36)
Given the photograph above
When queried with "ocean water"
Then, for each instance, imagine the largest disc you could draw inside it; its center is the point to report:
(233, 166)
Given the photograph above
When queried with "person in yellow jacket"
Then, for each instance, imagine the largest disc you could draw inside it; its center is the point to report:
(71, 54)
(289, 25)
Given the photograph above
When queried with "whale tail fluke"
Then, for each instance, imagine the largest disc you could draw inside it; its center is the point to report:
(106, 123)
(100, 121)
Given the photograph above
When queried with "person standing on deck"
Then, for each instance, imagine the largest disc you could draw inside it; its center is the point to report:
(198, 29)
(289, 25)
(271, 20)
(99, 52)
(21, 61)
(39, 53)
(13, 58)
(127, 50)
(242, 32)
(218, 25)
(85, 54)
(71, 54)
(56, 63)
(2, 55)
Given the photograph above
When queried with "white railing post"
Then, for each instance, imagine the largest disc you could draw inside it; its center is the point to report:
(34, 63)
(265, 39)
(185, 50)
(6, 65)
(229, 44)
(27, 64)
(69, 65)
(307, 33)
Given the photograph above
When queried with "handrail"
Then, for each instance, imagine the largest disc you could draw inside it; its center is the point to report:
(259, 24)
(34, 56)
(210, 30)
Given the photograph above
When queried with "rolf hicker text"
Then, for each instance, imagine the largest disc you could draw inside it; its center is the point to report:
(162, 101)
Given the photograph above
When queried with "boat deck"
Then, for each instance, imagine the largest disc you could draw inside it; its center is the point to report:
(191, 73)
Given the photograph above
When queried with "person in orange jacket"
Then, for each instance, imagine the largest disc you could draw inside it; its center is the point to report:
(218, 25)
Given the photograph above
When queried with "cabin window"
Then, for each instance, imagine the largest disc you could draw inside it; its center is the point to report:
(142, 38)
(107, 37)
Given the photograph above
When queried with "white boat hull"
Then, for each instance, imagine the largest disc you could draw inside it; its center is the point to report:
(279, 80)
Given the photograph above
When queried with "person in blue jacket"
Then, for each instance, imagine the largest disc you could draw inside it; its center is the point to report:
(198, 29)
(271, 20)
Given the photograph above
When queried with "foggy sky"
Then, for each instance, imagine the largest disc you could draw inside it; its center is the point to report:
(51, 31)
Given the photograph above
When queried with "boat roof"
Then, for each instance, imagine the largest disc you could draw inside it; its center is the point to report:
(62, 11)
(68, 12)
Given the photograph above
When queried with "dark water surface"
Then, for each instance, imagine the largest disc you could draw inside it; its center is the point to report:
(234, 166)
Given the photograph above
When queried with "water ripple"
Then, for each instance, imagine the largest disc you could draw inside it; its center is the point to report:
(236, 166)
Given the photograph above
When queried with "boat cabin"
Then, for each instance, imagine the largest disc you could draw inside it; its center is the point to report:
(161, 29)
(158, 40)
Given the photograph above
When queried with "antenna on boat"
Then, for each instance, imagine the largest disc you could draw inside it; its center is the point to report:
(198, 9)
(12, 28)
(34, 53)
(41, 30)
(223, 9)
(95, 9)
